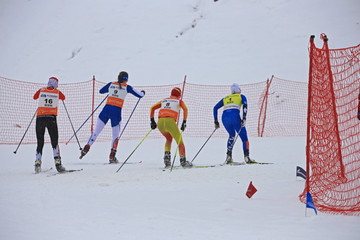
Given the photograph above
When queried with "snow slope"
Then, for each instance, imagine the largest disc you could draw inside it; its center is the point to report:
(143, 202)
(232, 40)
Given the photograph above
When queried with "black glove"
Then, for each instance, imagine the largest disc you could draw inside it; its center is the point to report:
(243, 121)
(153, 123)
(143, 92)
(217, 125)
(183, 125)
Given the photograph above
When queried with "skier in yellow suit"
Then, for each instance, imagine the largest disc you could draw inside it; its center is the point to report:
(168, 114)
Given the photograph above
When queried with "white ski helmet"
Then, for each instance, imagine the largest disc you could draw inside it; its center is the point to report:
(235, 88)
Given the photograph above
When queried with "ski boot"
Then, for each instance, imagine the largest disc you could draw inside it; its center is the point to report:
(37, 166)
(167, 159)
(248, 160)
(229, 159)
(184, 163)
(84, 151)
(58, 165)
(112, 158)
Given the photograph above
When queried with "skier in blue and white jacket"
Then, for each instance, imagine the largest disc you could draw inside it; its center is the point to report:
(112, 110)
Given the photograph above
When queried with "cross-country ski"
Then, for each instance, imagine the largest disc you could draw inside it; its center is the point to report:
(64, 172)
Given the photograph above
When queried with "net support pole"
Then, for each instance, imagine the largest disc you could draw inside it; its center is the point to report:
(263, 109)
(181, 97)
(93, 102)
(308, 114)
(331, 78)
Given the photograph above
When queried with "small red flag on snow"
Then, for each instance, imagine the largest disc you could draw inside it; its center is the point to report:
(251, 190)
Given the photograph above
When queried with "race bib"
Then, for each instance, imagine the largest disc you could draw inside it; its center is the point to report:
(232, 102)
(48, 100)
(117, 92)
(171, 104)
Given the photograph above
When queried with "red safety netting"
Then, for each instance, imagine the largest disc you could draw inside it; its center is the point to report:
(275, 108)
(283, 108)
(333, 138)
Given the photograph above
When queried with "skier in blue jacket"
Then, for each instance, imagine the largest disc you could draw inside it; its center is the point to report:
(112, 110)
(232, 121)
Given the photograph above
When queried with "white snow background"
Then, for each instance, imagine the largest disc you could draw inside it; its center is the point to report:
(231, 41)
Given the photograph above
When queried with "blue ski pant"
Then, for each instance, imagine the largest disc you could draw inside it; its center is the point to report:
(232, 123)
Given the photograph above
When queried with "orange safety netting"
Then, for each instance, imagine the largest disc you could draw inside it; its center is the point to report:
(275, 108)
(333, 138)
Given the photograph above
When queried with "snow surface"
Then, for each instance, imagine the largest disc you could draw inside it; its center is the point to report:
(232, 41)
(143, 202)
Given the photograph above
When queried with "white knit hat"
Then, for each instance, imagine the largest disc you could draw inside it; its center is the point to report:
(235, 88)
(53, 82)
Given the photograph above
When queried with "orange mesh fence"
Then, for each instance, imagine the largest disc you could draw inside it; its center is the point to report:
(285, 105)
(283, 108)
(333, 150)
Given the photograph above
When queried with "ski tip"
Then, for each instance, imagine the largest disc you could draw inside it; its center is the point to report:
(260, 163)
(72, 170)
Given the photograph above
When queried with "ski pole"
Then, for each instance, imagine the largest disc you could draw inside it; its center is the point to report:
(129, 118)
(86, 119)
(237, 135)
(72, 125)
(172, 165)
(204, 144)
(133, 151)
(25, 132)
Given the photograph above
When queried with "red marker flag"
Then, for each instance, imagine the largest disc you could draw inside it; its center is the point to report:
(251, 190)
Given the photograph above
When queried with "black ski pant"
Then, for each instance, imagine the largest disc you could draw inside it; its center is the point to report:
(49, 122)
